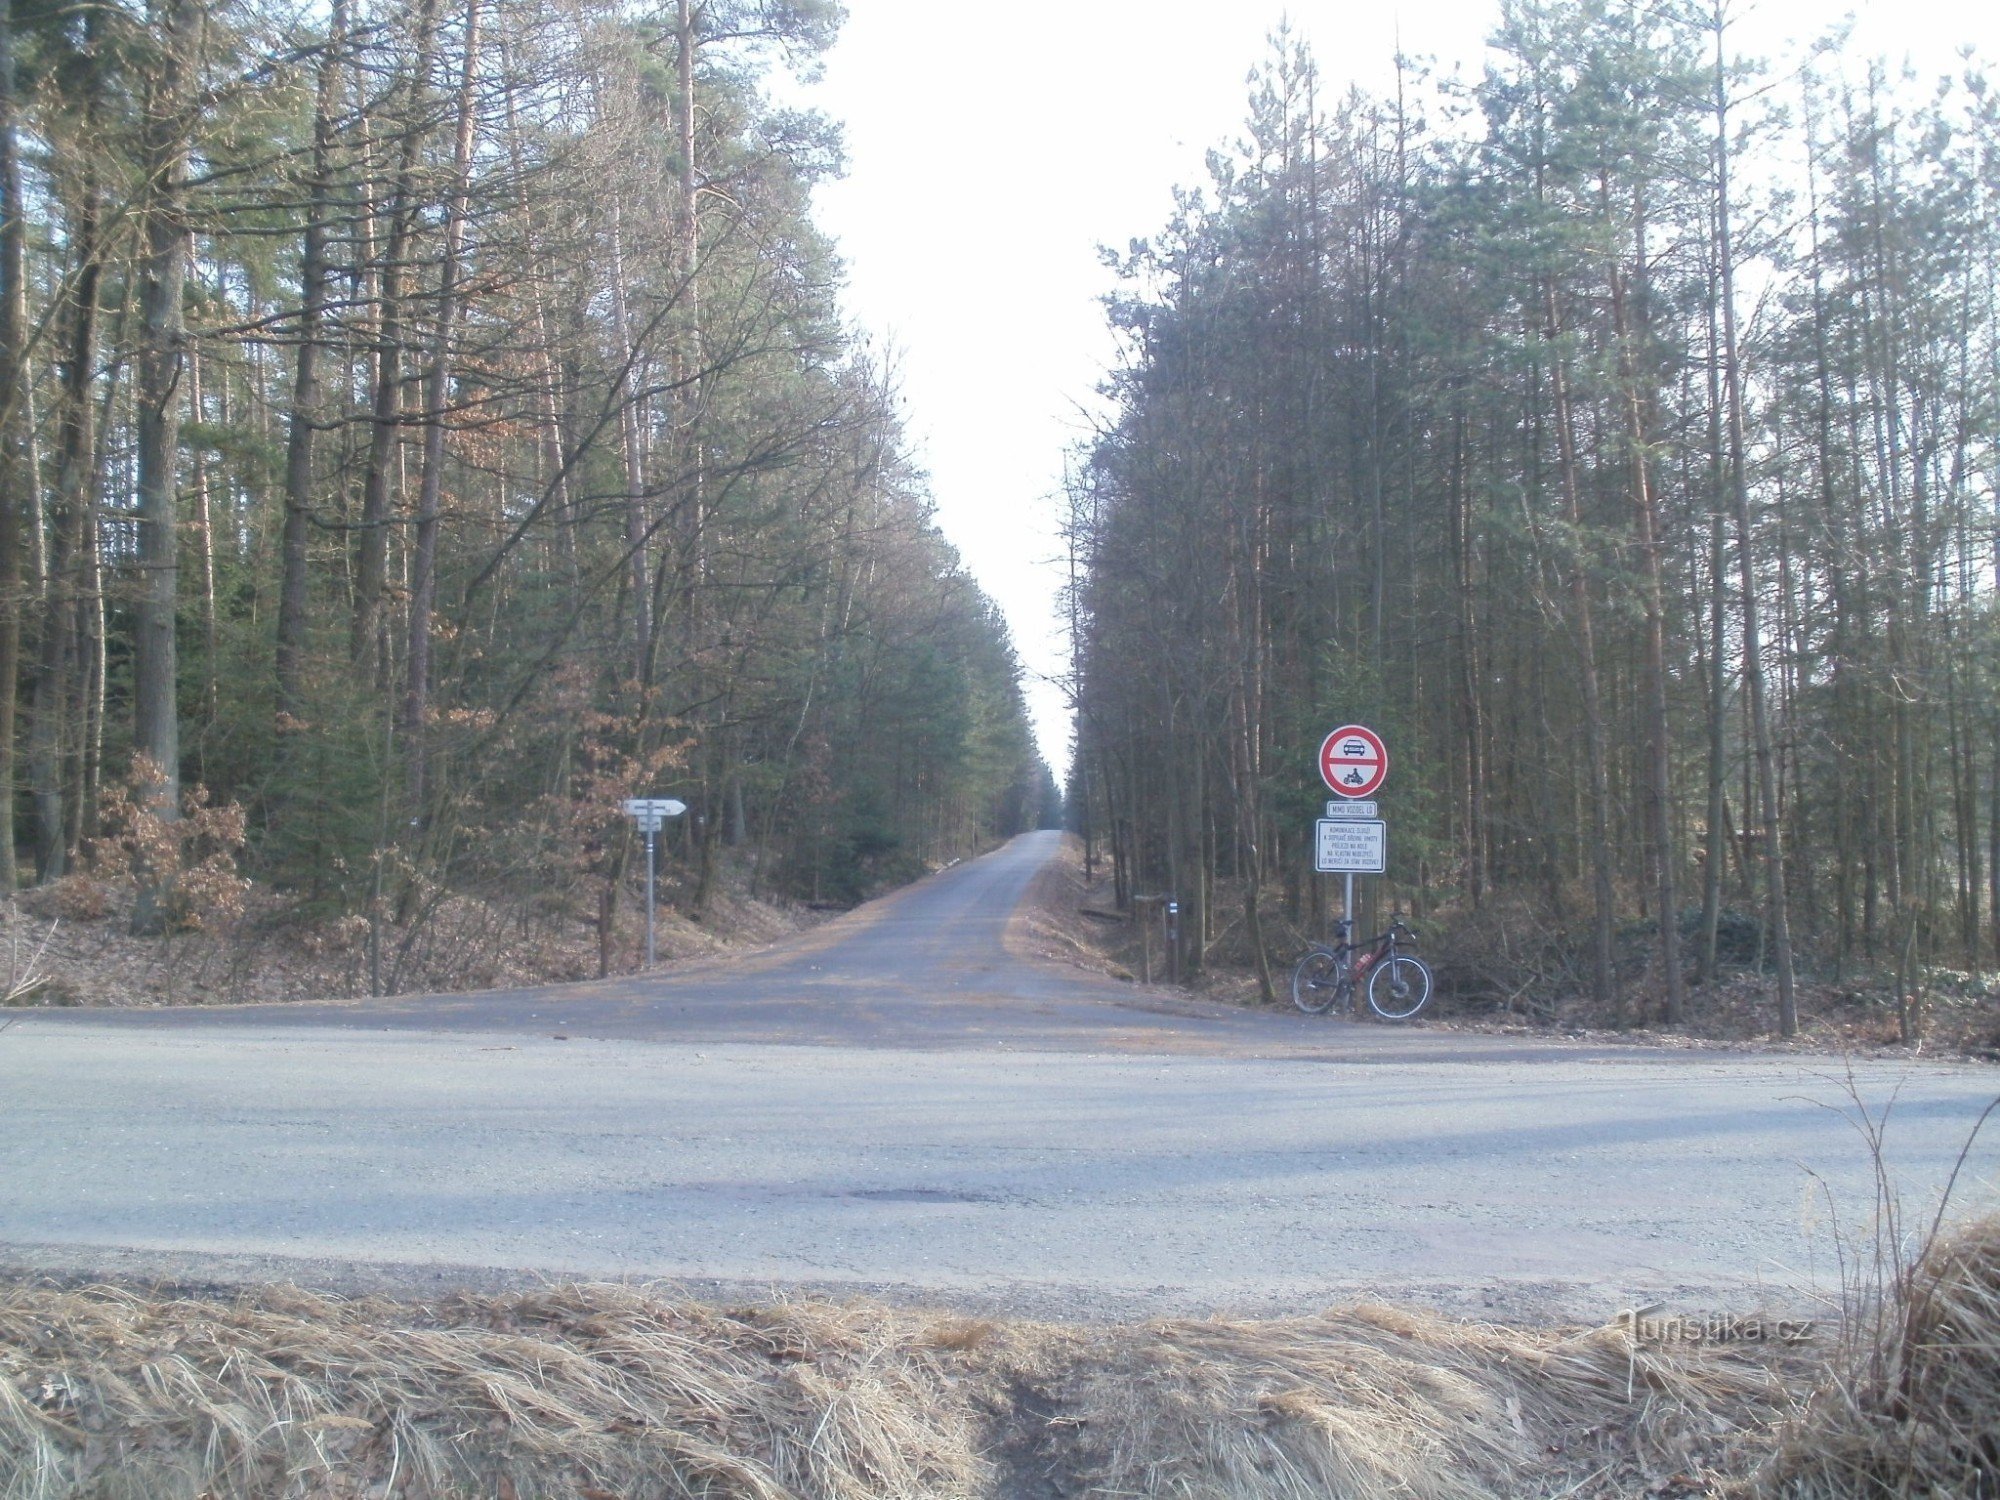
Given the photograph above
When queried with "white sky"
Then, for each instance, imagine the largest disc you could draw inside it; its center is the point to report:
(991, 150)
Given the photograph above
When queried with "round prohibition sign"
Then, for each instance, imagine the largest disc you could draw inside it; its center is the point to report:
(1353, 761)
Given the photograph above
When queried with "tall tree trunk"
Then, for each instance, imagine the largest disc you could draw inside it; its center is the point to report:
(1471, 701)
(314, 276)
(386, 417)
(688, 351)
(1645, 507)
(51, 728)
(437, 399)
(204, 540)
(1739, 484)
(1604, 899)
(17, 480)
(161, 362)
(637, 524)
(552, 479)
(1716, 856)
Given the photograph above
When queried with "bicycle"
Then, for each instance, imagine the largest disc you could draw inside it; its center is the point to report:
(1398, 983)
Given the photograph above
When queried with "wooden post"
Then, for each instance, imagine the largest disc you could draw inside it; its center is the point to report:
(1146, 915)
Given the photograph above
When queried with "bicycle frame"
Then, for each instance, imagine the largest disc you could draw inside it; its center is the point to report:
(1351, 967)
(1378, 947)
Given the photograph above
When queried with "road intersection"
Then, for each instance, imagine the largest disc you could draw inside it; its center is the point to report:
(901, 1104)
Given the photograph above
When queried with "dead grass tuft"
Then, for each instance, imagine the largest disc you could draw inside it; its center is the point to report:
(1370, 1402)
(1912, 1405)
(113, 1393)
(110, 1393)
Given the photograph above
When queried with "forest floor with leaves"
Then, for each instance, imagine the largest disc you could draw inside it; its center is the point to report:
(1505, 971)
(70, 943)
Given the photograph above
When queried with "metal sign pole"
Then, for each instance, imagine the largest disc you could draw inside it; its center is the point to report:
(1347, 906)
(649, 895)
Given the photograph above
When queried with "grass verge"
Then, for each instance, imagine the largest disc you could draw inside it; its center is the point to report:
(598, 1391)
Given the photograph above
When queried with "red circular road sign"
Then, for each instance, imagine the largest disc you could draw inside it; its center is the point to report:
(1353, 761)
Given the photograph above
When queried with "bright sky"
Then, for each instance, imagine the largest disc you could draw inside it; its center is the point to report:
(992, 149)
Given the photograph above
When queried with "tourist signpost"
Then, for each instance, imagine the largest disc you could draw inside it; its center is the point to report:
(649, 813)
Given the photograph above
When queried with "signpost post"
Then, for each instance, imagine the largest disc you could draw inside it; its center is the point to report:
(1350, 840)
(649, 813)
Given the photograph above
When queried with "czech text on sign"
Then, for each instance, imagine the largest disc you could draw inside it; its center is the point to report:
(1351, 846)
(1352, 810)
(1353, 761)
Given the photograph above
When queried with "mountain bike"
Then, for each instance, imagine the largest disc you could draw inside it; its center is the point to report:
(1398, 983)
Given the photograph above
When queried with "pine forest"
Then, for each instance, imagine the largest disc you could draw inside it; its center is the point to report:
(428, 423)
(1619, 434)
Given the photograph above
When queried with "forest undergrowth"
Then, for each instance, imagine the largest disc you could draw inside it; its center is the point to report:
(72, 944)
(1510, 967)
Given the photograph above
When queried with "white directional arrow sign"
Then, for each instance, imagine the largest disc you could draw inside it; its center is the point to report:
(650, 812)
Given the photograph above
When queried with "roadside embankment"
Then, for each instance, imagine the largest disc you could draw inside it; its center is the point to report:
(601, 1391)
(615, 1391)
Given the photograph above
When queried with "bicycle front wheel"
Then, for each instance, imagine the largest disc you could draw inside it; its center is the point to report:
(1316, 982)
(1398, 987)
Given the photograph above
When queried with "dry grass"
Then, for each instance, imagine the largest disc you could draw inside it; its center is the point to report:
(110, 1393)
(1911, 1405)
(1378, 1401)
(609, 1391)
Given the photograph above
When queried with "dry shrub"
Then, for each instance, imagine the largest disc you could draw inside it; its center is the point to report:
(80, 898)
(1914, 1408)
(1508, 953)
(192, 859)
(613, 1391)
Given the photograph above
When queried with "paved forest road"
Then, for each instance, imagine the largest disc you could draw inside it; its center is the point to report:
(895, 1103)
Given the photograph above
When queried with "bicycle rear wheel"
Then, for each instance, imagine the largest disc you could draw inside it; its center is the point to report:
(1398, 987)
(1317, 981)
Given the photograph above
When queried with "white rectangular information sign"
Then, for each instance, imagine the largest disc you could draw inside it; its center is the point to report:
(1351, 846)
(1352, 810)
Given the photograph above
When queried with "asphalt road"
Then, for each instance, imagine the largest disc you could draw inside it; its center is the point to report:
(897, 1103)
